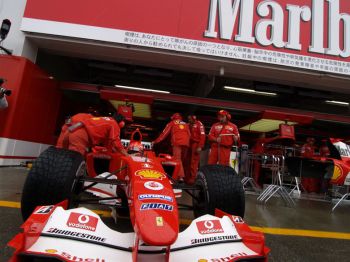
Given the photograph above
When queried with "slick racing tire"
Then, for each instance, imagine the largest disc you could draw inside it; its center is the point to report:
(52, 179)
(218, 187)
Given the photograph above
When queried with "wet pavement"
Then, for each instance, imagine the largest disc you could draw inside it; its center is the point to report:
(310, 216)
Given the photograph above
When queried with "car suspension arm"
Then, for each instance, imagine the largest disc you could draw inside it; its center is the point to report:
(183, 187)
(104, 180)
(93, 200)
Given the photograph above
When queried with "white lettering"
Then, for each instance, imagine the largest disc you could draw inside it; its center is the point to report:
(334, 24)
(228, 11)
(81, 226)
(317, 27)
(245, 33)
(212, 20)
(275, 24)
(269, 29)
(295, 14)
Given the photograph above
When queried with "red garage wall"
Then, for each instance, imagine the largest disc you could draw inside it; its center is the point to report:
(33, 105)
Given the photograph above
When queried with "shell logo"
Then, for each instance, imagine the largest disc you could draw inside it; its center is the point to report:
(51, 251)
(337, 173)
(150, 174)
(233, 163)
(182, 126)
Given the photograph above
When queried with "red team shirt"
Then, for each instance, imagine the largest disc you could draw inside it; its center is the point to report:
(221, 129)
(103, 131)
(180, 133)
(198, 133)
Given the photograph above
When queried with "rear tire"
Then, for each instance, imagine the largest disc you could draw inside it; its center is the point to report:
(52, 179)
(219, 187)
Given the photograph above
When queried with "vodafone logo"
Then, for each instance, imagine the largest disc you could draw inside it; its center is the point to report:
(209, 224)
(82, 221)
(209, 227)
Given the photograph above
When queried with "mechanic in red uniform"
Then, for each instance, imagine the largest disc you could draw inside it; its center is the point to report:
(180, 140)
(70, 122)
(311, 185)
(222, 139)
(197, 142)
(94, 131)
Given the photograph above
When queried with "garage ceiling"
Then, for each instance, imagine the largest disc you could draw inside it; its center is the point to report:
(101, 71)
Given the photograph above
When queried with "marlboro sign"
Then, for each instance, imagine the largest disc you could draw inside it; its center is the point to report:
(309, 34)
(271, 28)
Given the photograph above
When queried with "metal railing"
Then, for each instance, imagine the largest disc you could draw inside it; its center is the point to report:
(248, 179)
(277, 166)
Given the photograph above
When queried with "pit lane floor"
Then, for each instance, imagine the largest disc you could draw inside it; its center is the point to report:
(309, 232)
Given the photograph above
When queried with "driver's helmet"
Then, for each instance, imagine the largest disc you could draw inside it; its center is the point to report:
(135, 147)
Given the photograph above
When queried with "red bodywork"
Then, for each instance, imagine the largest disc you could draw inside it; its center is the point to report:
(141, 174)
(341, 163)
(335, 167)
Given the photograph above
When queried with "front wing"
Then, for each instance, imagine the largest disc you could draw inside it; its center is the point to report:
(80, 235)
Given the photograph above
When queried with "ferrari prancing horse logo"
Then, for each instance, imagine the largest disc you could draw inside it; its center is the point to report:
(150, 174)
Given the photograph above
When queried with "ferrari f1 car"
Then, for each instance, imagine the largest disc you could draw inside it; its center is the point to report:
(335, 167)
(144, 186)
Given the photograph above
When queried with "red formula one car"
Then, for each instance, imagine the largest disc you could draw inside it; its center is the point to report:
(142, 184)
(335, 167)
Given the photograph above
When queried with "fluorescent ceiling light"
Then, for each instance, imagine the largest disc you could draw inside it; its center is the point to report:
(248, 91)
(339, 103)
(143, 89)
(265, 125)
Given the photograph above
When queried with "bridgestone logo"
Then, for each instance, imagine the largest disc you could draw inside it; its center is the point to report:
(213, 239)
(57, 231)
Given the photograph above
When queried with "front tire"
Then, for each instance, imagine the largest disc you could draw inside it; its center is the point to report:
(52, 179)
(218, 187)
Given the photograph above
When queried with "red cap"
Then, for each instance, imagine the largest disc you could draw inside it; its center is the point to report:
(224, 113)
(176, 116)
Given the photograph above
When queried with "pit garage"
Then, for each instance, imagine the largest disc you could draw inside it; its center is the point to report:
(167, 59)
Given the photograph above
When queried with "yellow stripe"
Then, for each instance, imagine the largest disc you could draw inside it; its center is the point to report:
(301, 232)
(266, 230)
(10, 204)
(103, 213)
